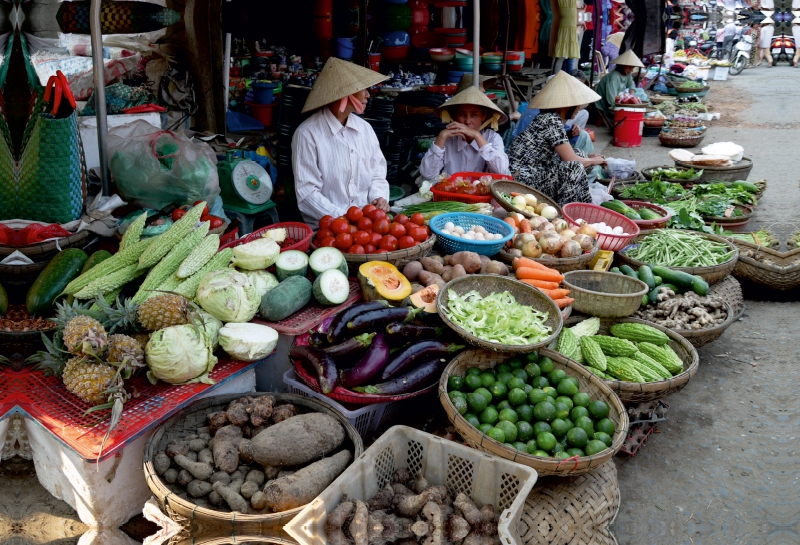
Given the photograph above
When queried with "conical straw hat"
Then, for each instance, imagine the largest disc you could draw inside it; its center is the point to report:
(615, 39)
(563, 91)
(466, 81)
(472, 95)
(340, 79)
(628, 58)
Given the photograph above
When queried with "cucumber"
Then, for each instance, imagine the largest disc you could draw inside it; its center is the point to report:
(699, 286)
(649, 214)
(652, 297)
(331, 288)
(286, 298)
(96, 258)
(291, 263)
(323, 259)
(3, 301)
(680, 279)
(746, 186)
(615, 270)
(646, 276)
(619, 207)
(627, 271)
(645, 300)
(62, 269)
(632, 215)
(658, 280)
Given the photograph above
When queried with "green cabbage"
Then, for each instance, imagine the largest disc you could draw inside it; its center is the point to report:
(179, 355)
(256, 255)
(209, 327)
(228, 295)
(248, 342)
(262, 280)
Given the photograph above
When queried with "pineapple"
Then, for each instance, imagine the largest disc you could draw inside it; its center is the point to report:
(142, 338)
(85, 336)
(89, 381)
(121, 316)
(126, 352)
(164, 310)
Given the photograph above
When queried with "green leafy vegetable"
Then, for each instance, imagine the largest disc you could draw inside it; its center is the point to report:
(655, 190)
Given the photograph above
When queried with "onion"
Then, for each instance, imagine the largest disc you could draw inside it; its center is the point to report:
(549, 212)
(551, 243)
(538, 234)
(538, 207)
(567, 234)
(546, 226)
(571, 249)
(586, 242)
(520, 240)
(587, 229)
(536, 222)
(560, 224)
(531, 249)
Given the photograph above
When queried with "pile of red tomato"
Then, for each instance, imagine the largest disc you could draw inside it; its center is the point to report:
(464, 186)
(370, 230)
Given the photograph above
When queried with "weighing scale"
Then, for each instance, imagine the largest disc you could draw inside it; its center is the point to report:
(245, 186)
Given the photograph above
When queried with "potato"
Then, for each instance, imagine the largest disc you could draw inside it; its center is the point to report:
(412, 270)
(171, 475)
(415, 287)
(469, 260)
(432, 265)
(495, 267)
(429, 278)
(447, 274)
(248, 489)
(161, 462)
(457, 272)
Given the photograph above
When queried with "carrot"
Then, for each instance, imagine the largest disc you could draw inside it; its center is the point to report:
(564, 302)
(539, 274)
(555, 294)
(541, 284)
(525, 226)
(515, 194)
(524, 262)
(511, 221)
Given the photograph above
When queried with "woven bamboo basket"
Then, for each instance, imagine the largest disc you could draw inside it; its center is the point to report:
(398, 258)
(189, 419)
(486, 284)
(42, 251)
(702, 337)
(244, 534)
(709, 274)
(739, 171)
(729, 290)
(782, 274)
(604, 294)
(589, 383)
(681, 142)
(633, 393)
(560, 264)
(507, 186)
(747, 214)
(648, 174)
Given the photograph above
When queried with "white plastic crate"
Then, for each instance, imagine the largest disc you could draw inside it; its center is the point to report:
(364, 419)
(483, 477)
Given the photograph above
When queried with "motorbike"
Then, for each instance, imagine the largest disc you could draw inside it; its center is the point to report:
(741, 54)
(783, 48)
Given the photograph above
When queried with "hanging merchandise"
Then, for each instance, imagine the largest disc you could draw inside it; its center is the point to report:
(646, 34)
(547, 22)
(115, 17)
(528, 27)
(567, 41)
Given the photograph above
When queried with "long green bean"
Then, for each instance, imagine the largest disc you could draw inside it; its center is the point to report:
(671, 248)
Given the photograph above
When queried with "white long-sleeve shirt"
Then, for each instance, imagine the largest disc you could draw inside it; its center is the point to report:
(458, 156)
(336, 166)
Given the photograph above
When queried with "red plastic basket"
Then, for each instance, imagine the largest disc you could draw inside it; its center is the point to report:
(596, 214)
(646, 225)
(439, 196)
(296, 230)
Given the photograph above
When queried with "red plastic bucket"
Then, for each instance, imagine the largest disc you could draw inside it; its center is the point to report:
(628, 125)
(262, 112)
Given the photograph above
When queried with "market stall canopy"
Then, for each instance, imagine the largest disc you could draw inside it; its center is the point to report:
(563, 91)
(340, 79)
(476, 97)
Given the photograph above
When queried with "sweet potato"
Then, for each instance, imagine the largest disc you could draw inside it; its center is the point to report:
(457, 272)
(469, 260)
(412, 270)
(495, 267)
(432, 265)
(302, 487)
(233, 499)
(429, 278)
(198, 470)
(198, 489)
(296, 441)
(448, 271)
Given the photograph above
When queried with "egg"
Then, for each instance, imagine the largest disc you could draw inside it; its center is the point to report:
(617, 230)
(447, 231)
(458, 229)
(449, 226)
(455, 234)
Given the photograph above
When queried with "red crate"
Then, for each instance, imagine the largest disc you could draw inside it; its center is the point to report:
(299, 231)
(439, 196)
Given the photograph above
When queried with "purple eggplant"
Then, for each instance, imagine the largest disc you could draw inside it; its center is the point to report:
(423, 376)
(377, 320)
(350, 350)
(370, 365)
(337, 330)
(407, 359)
(327, 373)
(317, 339)
(400, 333)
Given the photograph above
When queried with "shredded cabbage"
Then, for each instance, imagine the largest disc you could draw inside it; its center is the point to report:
(497, 318)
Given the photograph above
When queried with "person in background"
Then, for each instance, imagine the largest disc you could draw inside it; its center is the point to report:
(720, 38)
(727, 41)
(470, 142)
(796, 34)
(610, 49)
(336, 157)
(616, 82)
(765, 42)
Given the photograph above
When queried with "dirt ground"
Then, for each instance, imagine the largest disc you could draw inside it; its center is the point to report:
(722, 468)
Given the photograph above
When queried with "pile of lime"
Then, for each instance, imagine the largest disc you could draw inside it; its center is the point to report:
(533, 407)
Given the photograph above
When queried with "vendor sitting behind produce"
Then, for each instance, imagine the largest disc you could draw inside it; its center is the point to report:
(470, 142)
(615, 82)
(336, 157)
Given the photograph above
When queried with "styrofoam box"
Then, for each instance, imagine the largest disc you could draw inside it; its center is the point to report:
(483, 477)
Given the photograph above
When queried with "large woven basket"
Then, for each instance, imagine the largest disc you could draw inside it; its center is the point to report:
(702, 337)
(739, 171)
(782, 274)
(747, 213)
(588, 383)
(729, 290)
(189, 419)
(680, 142)
(487, 284)
(43, 251)
(632, 393)
(648, 174)
(604, 294)
(507, 186)
(398, 258)
(709, 274)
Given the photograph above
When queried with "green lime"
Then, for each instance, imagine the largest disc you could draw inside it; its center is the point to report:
(485, 427)
(586, 425)
(544, 411)
(472, 382)
(525, 412)
(552, 392)
(577, 437)
(606, 426)
(575, 452)
(474, 371)
(484, 392)
(477, 402)
(578, 412)
(455, 394)
(516, 363)
(509, 415)
(532, 370)
(517, 396)
(532, 357)
(524, 431)
(556, 375)
(504, 377)
(536, 395)
(559, 448)
(574, 381)
(488, 416)
(541, 427)
(540, 382)
(560, 427)
(461, 404)
(515, 382)
(521, 374)
(505, 404)
(581, 399)
(455, 383)
(503, 368)
(602, 436)
(499, 391)
(472, 419)
(594, 446)
(546, 441)
(598, 409)
(509, 429)
(562, 455)
(531, 446)
(546, 365)
(562, 411)
(527, 389)
(567, 388)
(497, 434)
(541, 453)
(487, 379)
(521, 447)
(566, 401)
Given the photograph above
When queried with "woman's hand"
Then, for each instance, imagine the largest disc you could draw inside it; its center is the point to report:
(458, 129)
(381, 203)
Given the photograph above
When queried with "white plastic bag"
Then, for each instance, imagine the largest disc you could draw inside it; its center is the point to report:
(599, 193)
(621, 168)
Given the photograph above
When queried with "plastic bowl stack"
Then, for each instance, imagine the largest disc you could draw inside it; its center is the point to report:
(492, 63)
(442, 54)
(515, 60)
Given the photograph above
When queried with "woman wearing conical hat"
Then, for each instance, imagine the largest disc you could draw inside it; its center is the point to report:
(617, 81)
(336, 157)
(470, 142)
(542, 157)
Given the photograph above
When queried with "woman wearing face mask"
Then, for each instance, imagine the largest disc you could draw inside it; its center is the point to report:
(617, 81)
(336, 157)
(470, 142)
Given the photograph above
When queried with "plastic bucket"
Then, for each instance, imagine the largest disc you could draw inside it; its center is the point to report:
(344, 48)
(263, 92)
(628, 125)
(262, 112)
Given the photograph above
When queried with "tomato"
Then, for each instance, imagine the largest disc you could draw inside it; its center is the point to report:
(388, 243)
(369, 208)
(344, 241)
(418, 234)
(375, 239)
(362, 237)
(327, 242)
(178, 213)
(340, 225)
(427, 230)
(406, 242)
(397, 230)
(354, 214)
(352, 229)
(205, 210)
(216, 222)
(376, 214)
(365, 224)
(402, 219)
(356, 249)
(370, 249)
(323, 233)
(381, 226)
(325, 222)
(418, 218)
